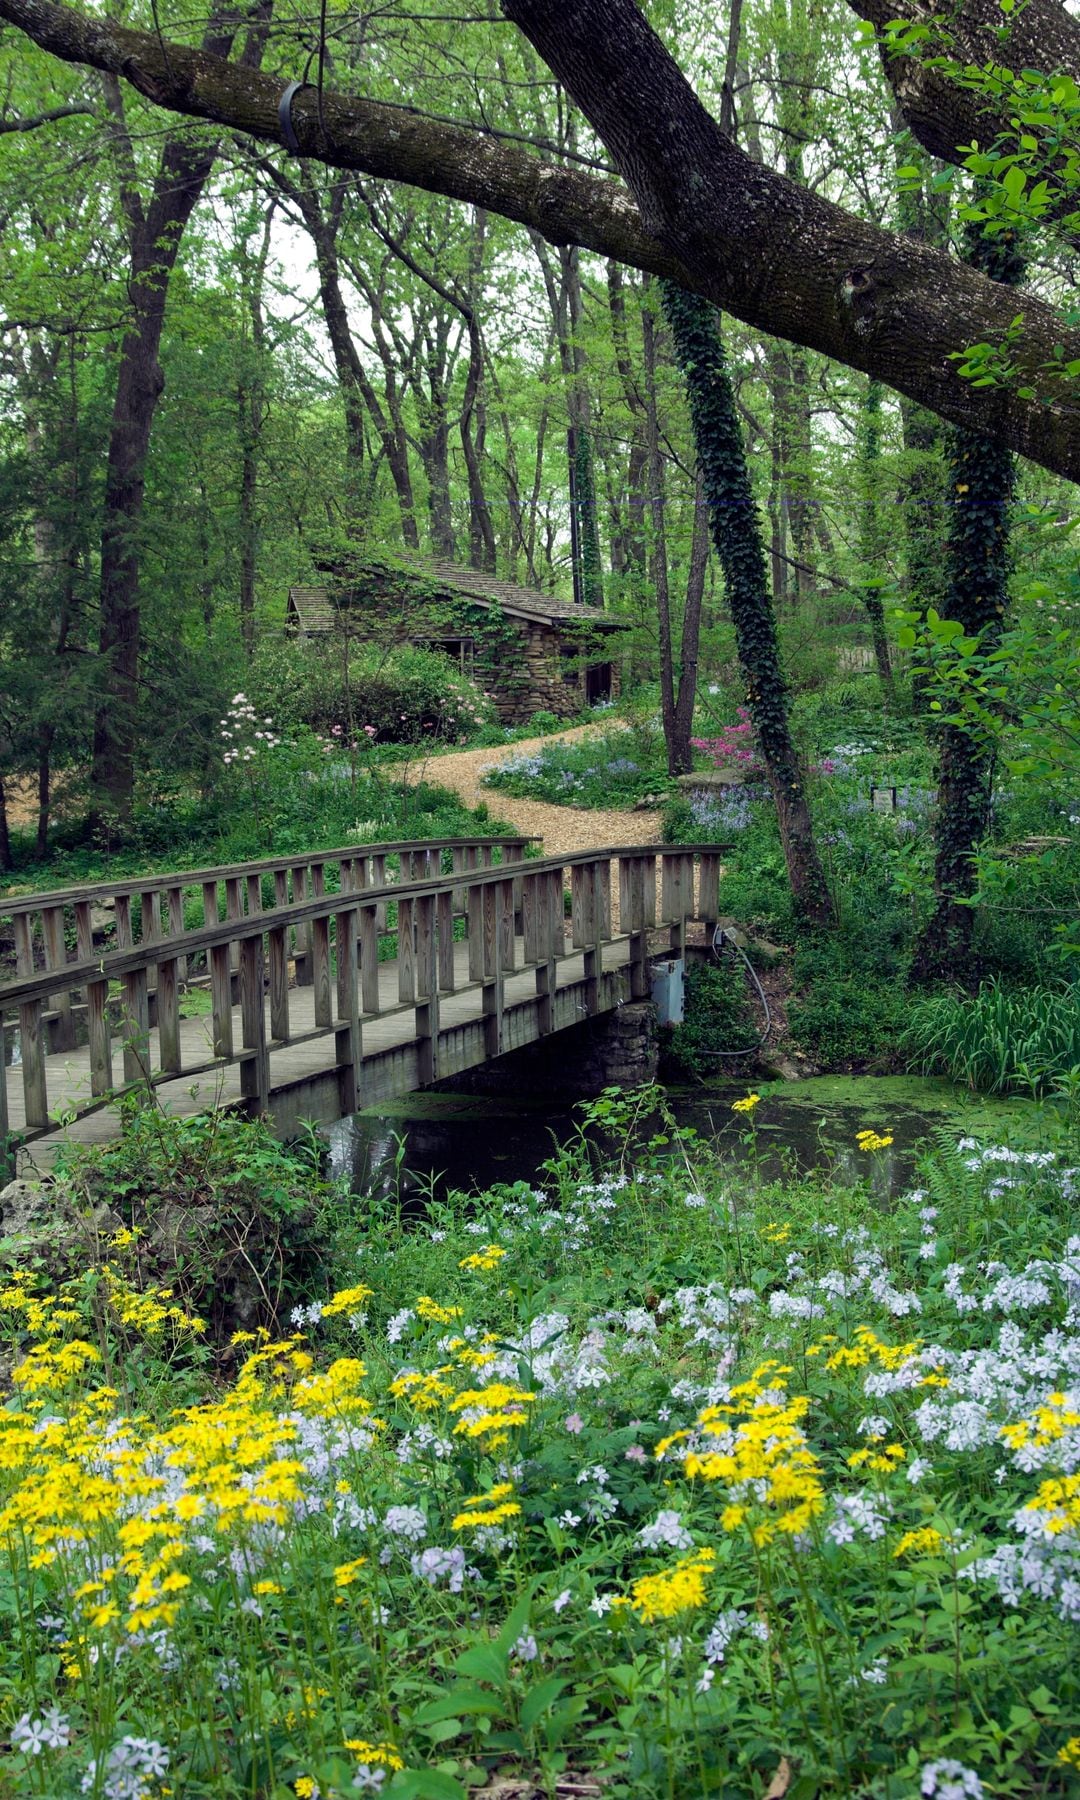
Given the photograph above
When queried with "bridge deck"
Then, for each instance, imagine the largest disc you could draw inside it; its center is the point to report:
(304, 1068)
(305, 1020)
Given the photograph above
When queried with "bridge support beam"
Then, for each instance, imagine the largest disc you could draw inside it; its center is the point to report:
(615, 1049)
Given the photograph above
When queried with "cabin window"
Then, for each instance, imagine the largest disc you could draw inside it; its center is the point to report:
(460, 650)
(597, 683)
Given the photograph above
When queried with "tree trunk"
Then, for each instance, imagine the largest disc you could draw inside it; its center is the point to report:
(659, 567)
(155, 235)
(691, 629)
(982, 482)
(736, 533)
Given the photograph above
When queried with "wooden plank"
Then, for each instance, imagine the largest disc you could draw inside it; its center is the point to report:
(32, 1052)
(99, 1039)
(221, 1018)
(254, 1070)
(530, 917)
(406, 951)
(234, 912)
(369, 958)
(709, 888)
(507, 944)
(135, 1025)
(378, 880)
(427, 987)
(447, 977)
(254, 894)
(168, 1016)
(474, 930)
(24, 944)
(320, 970)
(636, 870)
(174, 926)
(602, 879)
(492, 993)
(545, 894)
(136, 885)
(279, 983)
(56, 956)
(303, 929)
(347, 1042)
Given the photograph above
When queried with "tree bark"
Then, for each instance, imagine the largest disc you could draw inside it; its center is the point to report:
(736, 531)
(982, 483)
(6, 862)
(777, 256)
(658, 548)
(155, 235)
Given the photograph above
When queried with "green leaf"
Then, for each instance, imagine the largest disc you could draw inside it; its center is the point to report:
(539, 1698)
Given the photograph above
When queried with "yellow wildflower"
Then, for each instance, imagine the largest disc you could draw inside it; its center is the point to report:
(486, 1258)
(747, 1104)
(347, 1300)
(429, 1309)
(920, 1543)
(380, 1755)
(346, 1573)
(1069, 1754)
(673, 1591)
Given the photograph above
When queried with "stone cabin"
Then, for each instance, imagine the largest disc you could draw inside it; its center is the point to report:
(530, 651)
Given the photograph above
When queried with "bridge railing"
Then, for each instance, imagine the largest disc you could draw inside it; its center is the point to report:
(515, 917)
(51, 930)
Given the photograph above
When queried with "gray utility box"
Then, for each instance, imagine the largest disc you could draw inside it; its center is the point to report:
(667, 991)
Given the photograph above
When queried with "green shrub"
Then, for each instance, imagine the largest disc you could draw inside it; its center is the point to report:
(597, 772)
(1000, 1039)
(403, 691)
(717, 1023)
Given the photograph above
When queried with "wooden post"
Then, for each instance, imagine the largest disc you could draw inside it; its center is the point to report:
(589, 936)
(234, 910)
(32, 1051)
(406, 952)
(378, 880)
(474, 901)
(602, 878)
(278, 936)
(709, 890)
(221, 1017)
(303, 930)
(150, 931)
(546, 891)
(632, 873)
(135, 1026)
(97, 1004)
(507, 942)
(52, 934)
(254, 1070)
(493, 983)
(347, 1042)
(168, 1016)
(174, 905)
(369, 958)
(427, 987)
(447, 978)
(320, 970)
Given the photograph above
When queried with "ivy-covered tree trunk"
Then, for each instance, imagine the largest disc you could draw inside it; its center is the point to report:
(736, 531)
(982, 480)
(873, 535)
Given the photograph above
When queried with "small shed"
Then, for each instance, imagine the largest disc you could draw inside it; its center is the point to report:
(530, 651)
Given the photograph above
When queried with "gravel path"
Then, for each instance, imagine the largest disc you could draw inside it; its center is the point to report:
(563, 828)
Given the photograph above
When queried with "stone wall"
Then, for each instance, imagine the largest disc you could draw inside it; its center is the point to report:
(617, 1049)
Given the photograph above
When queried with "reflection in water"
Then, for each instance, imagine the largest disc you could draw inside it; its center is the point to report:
(436, 1142)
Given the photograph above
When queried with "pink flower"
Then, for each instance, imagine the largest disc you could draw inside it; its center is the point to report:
(575, 1423)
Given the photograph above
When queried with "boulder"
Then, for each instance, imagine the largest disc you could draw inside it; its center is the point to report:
(710, 781)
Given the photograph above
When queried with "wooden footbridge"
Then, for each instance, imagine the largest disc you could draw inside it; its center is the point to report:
(307, 987)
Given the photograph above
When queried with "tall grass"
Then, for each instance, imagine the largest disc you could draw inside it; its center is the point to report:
(1000, 1039)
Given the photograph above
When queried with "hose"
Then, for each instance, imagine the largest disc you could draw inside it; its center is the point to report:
(721, 941)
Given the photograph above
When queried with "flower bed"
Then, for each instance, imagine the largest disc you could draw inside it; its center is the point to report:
(632, 1474)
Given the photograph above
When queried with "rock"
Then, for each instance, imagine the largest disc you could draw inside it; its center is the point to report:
(710, 781)
(102, 917)
(25, 1206)
(770, 954)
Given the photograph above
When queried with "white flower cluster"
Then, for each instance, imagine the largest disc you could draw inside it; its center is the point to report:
(242, 731)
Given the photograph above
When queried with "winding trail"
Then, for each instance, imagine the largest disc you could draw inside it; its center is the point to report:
(563, 828)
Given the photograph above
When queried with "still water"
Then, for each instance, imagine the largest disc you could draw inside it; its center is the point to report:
(438, 1142)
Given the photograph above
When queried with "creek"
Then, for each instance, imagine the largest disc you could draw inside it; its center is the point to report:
(435, 1142)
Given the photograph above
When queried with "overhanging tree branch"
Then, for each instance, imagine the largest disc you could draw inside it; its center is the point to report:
(776, 256)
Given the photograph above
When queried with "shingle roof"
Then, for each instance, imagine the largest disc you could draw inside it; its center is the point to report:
(317, 613)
